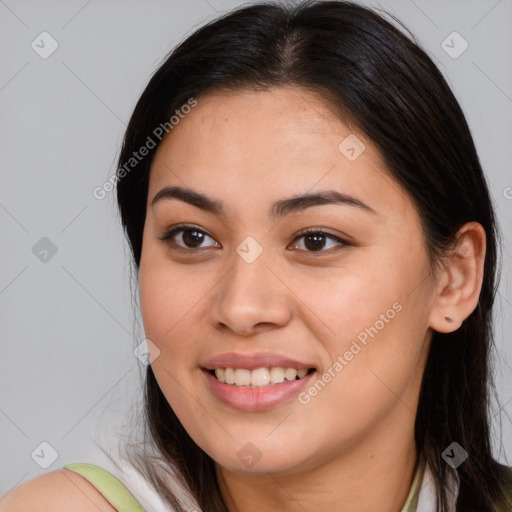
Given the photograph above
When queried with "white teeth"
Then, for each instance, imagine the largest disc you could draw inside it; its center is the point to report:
(258, 377)
(276, 374)
(229, 376)
(290, 373)
(242, 377)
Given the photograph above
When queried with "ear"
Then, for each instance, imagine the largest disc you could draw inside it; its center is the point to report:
(459, 281)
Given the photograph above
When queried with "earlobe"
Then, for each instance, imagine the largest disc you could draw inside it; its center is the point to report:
(460, 279)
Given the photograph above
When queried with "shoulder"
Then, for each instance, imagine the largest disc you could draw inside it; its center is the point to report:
(57, 491)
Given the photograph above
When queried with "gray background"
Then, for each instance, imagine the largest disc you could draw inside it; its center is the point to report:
(68, 375)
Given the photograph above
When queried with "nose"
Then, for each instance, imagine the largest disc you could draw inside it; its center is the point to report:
(251, 298)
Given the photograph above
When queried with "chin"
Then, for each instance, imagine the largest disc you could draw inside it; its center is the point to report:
(262, 466)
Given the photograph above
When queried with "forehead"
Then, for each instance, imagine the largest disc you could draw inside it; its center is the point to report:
(294, 103)
(254, 119)
(274, 143)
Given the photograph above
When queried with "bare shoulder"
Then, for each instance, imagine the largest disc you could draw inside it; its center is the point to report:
(57, 491)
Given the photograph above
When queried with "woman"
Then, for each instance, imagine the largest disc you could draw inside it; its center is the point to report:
(316, 253)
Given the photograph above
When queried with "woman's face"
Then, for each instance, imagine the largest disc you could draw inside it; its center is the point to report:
(242, 285)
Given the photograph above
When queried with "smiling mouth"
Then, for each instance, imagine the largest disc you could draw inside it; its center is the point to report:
(259, 377)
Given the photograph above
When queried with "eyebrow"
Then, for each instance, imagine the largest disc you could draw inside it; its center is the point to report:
(277, 210)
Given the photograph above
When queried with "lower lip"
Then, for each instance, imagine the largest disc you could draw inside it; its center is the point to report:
(256, 399)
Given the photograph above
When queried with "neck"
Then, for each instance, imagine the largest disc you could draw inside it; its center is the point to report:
(373, 475)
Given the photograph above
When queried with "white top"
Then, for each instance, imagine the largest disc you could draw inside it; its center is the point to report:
(427, 496)
(150, 500)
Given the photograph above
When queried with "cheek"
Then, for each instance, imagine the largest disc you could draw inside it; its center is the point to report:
(346, 301)
(167, 300)
(372, 325)
(169, 296)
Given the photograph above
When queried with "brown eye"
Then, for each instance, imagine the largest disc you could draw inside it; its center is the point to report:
(187, 238)
(317, 241)
(192, 238)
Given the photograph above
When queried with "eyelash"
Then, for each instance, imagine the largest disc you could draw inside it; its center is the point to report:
(169, 235)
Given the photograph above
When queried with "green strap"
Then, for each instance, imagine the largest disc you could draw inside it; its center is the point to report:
(411, 503)
(113, 490)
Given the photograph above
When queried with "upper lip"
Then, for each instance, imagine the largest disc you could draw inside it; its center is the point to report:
(253, 361)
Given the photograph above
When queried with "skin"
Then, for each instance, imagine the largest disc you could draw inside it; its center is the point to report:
(352, 446)
(56, 491)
